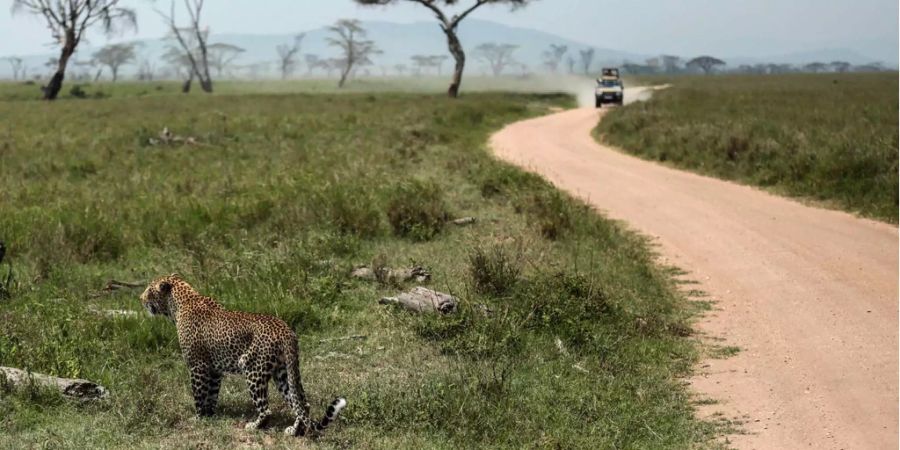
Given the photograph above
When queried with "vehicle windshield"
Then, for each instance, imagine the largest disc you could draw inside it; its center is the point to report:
(608, 83)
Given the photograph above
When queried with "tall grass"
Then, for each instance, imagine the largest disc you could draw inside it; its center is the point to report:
(828, 137)
(278, 199)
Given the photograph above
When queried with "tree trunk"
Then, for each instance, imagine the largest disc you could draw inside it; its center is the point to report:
(206, 85)
(115, 74)
(206, 82)
(344, 74)
(460, 56)
(51, 91)
(186, 86)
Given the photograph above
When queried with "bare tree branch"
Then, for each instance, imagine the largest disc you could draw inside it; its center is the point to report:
(68, 22)
(449, 26)
(199, 63)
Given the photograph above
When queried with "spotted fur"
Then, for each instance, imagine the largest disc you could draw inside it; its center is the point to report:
(215, 341)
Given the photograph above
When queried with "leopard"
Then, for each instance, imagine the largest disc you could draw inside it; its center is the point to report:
(215, 341)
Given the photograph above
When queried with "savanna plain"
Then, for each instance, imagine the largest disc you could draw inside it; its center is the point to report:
(568, 333)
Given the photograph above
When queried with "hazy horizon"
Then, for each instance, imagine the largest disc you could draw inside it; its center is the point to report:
(741, 28)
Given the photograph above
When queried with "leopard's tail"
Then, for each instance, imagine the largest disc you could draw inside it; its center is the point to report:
(303, 424)
(331, 414)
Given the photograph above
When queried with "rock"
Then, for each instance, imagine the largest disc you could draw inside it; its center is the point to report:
(423, 300)
(74, 388)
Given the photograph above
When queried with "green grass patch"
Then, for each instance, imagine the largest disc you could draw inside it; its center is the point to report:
(831, 138)
(567, 336)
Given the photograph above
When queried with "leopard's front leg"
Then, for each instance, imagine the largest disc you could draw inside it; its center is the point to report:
(204, 386)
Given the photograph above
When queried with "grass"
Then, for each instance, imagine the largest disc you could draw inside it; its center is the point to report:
(567, 336)
(831, 138)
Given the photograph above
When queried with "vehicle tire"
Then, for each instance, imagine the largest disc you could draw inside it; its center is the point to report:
(598, 103)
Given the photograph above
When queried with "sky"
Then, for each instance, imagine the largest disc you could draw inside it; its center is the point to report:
(684, 27)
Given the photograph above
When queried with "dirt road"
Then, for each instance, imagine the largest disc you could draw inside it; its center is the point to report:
(809, 295)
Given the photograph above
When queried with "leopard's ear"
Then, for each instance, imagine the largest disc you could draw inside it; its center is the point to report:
(176, 276)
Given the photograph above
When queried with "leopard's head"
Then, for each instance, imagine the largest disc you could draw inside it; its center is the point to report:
(156, 299)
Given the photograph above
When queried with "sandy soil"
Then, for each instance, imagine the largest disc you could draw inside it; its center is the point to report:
(809, 295)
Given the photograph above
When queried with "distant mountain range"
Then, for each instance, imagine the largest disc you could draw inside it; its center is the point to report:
(823, 55)
(401, 41)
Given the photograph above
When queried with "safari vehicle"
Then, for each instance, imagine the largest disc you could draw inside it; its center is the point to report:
(611, 72)
(609, 88)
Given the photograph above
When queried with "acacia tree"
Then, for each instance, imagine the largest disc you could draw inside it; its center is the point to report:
(87, 67)
(68, 20)
(255, 70)
(587, 58)
(779, 68)
(840, 66)
(331, 64)
(192, 40)
(449, 26)
(16, 64)
(221, 55)
(870, 67)
(419, 62)
(815, 67)
(114, 56)
(570, 63)
(146, 70)
(351, 41)
(312, 62)
(437, 61)
(497, 56)
(553, 56)
(287, 55)
(363, 63)
(670, 63)
(83, 69)
(705, 63)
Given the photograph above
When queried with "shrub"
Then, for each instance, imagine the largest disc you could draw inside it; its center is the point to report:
(550, 211)
(504, 180)
(352, 210)
(493, 271)
(78, 92)
(564, 305)
(417, 210)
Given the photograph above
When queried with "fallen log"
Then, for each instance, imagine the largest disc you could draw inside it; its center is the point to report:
(114, 312)
(422, 300)
(74, 388)
(462, 221)
(113, 285)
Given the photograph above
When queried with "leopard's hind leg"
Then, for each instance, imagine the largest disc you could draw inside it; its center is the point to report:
(258, 376)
